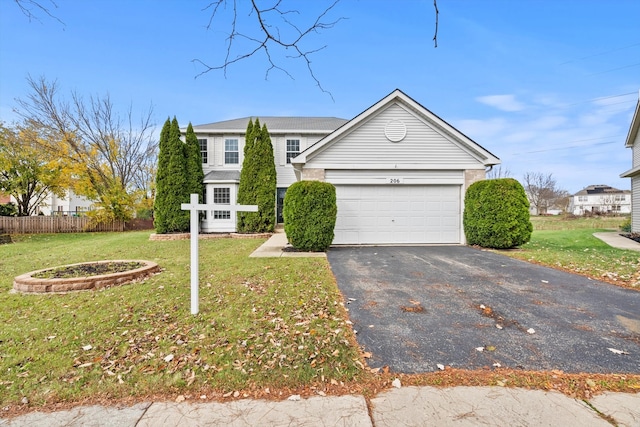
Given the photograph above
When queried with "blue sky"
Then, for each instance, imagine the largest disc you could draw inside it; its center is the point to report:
(548, 85)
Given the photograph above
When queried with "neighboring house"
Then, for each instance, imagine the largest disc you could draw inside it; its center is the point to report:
(400, 171)
(600, 199)
(4, 198)
(633, 142)
(69, 205)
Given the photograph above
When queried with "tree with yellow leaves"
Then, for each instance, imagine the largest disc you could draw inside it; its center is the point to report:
(26, 172)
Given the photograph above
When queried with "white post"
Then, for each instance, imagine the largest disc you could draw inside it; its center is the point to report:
(195, 209)
(195, 231)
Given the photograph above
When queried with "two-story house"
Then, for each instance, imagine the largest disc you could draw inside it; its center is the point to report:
(222, 151)
(400, 171)
(633, 142)
(600, 199)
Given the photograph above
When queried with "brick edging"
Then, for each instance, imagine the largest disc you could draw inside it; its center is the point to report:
(25, 283)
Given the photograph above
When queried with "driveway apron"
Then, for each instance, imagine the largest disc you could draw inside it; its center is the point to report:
(416, 307)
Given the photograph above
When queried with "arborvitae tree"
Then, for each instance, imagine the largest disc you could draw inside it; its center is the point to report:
(195, 174)
(172, 187)
(247, 178)
(257, 181)
(266, 183)
(159, 210)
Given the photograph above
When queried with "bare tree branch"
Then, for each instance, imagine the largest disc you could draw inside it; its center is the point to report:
(435, 36)
(284, 33)
(30, 9)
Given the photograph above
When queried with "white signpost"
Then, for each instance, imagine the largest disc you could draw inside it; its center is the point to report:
(194, 207)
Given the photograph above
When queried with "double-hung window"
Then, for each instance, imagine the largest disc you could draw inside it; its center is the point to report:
(231, 155)
(222, 196)
(203, 149)
(293, 149)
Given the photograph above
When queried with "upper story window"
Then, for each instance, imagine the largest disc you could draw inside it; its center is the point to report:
(583, 198)
(620, 198)
(231, 155)
(203, 149)
(293, 149)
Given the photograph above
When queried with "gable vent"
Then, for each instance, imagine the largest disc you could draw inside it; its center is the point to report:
(395, 131)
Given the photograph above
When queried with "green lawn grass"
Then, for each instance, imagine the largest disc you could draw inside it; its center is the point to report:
(264, 323)
(570, 245)
(275, 322)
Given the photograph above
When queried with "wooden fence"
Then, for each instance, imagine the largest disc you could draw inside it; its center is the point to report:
(68, 224)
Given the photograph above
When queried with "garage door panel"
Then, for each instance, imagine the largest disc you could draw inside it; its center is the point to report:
(374, 214)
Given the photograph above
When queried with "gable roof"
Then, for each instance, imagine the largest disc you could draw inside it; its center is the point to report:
(397, 96)
(321, 125)
(635, 126)
(631, 138)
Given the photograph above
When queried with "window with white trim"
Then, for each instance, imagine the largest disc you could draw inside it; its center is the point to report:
(231, 154)
(293, 149)
(203, 149)
(583, 198)
(222, 196)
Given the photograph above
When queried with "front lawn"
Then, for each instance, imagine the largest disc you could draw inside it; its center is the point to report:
(268, 327)
(263, 323)
(570, 245)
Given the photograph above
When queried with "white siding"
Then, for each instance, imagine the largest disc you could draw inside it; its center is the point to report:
(635, 202)
(404, 177)
(422, 145)
(636, 151)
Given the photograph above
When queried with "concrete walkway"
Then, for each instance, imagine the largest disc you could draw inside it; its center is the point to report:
(615, 240)
(405, 406)
(278, 246)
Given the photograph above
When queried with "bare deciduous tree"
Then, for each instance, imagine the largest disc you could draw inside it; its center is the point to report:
(107, 152)
(497, 172)
(542, 191)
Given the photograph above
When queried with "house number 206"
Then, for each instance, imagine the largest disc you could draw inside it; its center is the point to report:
(395, 181)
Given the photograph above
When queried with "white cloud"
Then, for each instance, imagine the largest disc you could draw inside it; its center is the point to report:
(502, 102)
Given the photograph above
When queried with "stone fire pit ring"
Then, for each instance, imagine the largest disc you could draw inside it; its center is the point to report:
(25, 283)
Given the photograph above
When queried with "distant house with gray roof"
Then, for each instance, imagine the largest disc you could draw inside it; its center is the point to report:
(600, 199)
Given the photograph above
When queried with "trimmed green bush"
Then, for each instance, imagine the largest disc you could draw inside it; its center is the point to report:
(496, 214)
(310, 212)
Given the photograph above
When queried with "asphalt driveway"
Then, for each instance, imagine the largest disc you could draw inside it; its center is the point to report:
(416, 307)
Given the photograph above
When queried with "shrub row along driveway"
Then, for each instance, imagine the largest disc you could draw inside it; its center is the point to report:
(416, 307)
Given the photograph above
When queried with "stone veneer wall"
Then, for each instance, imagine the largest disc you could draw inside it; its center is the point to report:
(311, 174)
(473, 175)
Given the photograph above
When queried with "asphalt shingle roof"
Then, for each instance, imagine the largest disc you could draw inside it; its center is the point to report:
(276, 124)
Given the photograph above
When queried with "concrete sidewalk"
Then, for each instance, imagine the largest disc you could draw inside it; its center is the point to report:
(615, 240)
(405, 406)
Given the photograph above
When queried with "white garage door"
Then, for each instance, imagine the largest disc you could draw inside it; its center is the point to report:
(397, 214)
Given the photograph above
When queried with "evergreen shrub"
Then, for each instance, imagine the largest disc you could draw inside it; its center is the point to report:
(496, 214)
(310, 212)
